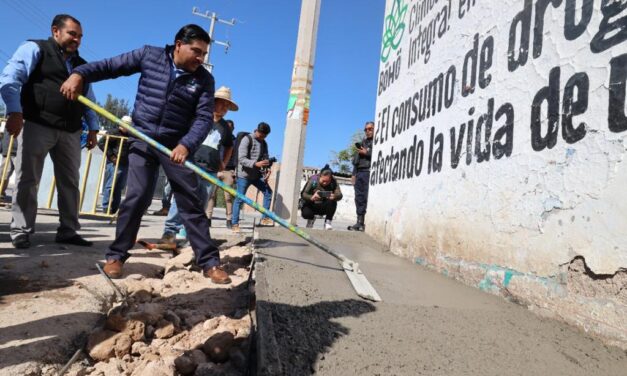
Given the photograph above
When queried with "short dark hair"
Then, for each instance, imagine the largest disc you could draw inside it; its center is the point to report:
(326, 172)
(263, 128)
(59, 20)
(370, 122)
(192, 32)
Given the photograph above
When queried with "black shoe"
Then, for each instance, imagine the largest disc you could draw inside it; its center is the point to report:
(209, 222)
(360, 225)
(76, 239)
(21, 242)
(229, 224)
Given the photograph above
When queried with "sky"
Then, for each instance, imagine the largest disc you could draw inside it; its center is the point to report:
(257, 67)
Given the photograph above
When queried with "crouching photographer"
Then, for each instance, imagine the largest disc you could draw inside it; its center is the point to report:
(319, 197)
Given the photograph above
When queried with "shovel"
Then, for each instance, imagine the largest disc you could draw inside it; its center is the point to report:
(357, 278)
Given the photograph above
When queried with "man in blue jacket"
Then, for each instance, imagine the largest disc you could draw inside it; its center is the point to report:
(174, 106)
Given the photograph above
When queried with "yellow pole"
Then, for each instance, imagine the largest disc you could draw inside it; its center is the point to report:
(115, 174)
(51, 193)
(84, 183)
(7, 160)
(102, 165)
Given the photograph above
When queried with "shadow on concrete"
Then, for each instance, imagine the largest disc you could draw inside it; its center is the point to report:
(265, 255)
(292, 338)
(278, 244)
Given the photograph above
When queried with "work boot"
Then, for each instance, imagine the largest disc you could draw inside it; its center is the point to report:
(217, 275)
(229, 224)
(266, 222)
(21, 241)
(113, 268)
(310, 222)
(360, 225)
(161, 212)
(168, 237)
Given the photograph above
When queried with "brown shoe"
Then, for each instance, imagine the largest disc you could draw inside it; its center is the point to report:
(266, 222)
(113, 268)
(235, 228)
(161, 212)
(217, 275)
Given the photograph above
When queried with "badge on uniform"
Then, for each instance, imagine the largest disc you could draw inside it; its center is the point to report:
(192, 86)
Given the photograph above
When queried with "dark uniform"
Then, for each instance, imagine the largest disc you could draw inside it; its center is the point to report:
(361, 171)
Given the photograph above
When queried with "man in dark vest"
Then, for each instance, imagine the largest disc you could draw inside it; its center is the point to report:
(361, 176)
(45, 122)
(174, 106)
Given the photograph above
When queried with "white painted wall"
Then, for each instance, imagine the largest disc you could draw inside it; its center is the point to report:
(531, 210)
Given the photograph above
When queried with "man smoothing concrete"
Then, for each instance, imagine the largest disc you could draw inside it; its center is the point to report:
(174, 106)
(29, 85)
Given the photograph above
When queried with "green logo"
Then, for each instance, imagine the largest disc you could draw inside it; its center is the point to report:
(394, 29)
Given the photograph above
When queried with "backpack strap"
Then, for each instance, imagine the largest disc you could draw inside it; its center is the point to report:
(250, 144)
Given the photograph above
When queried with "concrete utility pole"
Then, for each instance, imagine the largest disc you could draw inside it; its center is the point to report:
(213, 17)
(286, 202)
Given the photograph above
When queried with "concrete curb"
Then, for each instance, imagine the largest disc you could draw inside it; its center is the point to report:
(267, 360)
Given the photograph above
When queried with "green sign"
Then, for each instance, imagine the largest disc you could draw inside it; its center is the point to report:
(394, 29)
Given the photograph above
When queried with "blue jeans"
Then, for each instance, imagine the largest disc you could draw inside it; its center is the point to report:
(166, 197)
(173, 222)
(242, 187)
(120, 184)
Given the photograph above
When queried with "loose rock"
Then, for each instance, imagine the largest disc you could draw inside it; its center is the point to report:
(105, 344)
(217, 347)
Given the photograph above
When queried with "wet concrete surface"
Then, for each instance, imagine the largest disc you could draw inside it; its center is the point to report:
(310, 321)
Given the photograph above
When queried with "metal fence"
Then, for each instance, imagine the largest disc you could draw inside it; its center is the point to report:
(91, 185)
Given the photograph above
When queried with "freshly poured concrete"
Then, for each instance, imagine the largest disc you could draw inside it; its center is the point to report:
(310, 321)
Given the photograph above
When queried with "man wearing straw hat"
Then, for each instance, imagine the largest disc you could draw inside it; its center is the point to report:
(212, 155)
(46, 123)
(174, 106)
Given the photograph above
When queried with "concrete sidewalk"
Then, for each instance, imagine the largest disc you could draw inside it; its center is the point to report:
(310, 321)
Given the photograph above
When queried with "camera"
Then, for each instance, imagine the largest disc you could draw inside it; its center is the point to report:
(272, 160)
(358, 145)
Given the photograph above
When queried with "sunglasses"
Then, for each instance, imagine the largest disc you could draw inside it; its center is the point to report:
(369, 129)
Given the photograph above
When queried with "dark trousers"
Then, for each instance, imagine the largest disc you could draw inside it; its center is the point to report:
(142, 177)
(325, 207)
(362, 182)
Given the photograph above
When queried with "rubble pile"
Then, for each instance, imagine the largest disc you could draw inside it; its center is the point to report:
(181, 324)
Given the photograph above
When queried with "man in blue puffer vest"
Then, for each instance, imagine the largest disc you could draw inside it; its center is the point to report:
(174, 105)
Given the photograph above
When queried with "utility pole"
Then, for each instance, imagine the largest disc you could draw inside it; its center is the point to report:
(298, 113)
(214, 18)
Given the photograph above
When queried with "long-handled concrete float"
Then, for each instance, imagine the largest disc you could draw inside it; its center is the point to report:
(357, 278)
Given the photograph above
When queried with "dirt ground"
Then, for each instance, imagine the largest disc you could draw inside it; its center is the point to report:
(53, 301)
(312, 322)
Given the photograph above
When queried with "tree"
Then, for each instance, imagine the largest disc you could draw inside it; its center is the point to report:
(118, 107)
(3, 110)
(342, 161)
